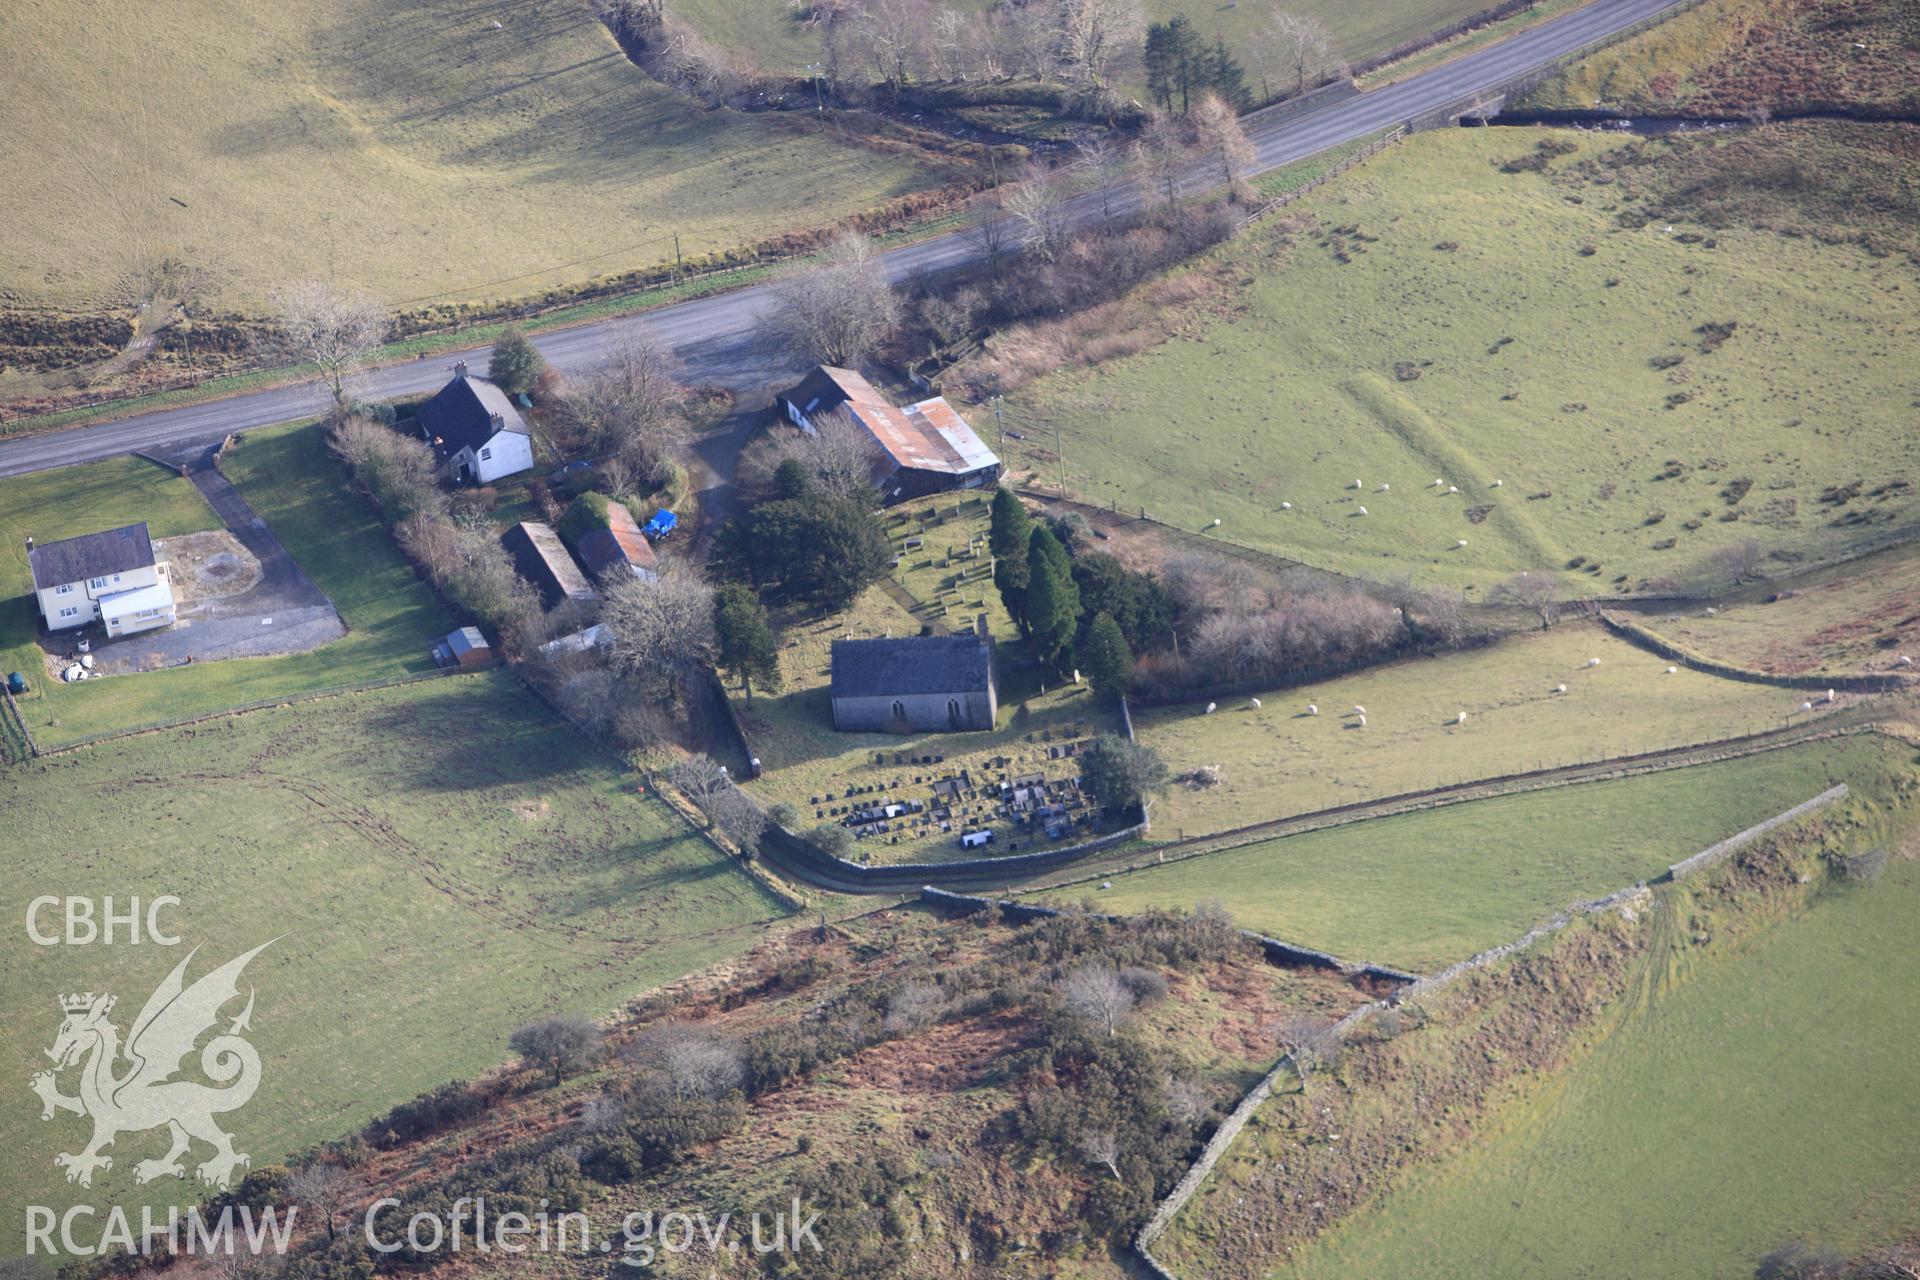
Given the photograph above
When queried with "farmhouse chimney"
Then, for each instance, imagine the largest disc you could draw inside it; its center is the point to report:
(29, 542)
(460, 369)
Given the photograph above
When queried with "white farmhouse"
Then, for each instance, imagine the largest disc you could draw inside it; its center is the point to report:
(475, 431)
(109, 577)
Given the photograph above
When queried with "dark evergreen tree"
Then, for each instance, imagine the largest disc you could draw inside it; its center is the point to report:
(1007, 539)
(747, 649)
(1105, 660)
(516, 364)
(1053, 602)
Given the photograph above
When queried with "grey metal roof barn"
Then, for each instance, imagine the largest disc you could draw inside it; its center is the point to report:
(91, 555)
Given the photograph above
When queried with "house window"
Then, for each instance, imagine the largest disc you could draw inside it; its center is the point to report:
(64, 589)
(68, 612)
(899, 711)
(953, 712)
(486, 455)
(96, 583)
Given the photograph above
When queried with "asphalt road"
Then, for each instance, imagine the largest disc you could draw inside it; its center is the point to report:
(715, 337)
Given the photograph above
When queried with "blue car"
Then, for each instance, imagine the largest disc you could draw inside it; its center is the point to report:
(662, 525)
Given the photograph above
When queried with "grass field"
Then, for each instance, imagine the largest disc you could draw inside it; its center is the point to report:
(410, 149)
(1420, 891)
(441, 862)
(1858, 616)
(1753, 1097)
(285, 474)
(1279, 760)
(1431, 315)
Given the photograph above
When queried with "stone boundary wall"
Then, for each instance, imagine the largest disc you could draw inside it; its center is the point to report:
(1719, 853)
(795, 856)
(1643, 636)
(1621, 899)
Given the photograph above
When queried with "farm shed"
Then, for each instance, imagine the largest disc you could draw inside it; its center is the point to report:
(463, 648)
(544, 560)
(620, 549)
(918, 684)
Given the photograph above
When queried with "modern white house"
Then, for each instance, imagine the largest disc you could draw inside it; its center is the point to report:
(475, 431)
(109, 577)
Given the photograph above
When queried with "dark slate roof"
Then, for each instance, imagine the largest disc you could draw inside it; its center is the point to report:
(827, 386)
(916, 664)
(91, 555)
(461, 415)
(543, 560)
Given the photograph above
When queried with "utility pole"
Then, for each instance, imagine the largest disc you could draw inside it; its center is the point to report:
(815, 71)
(676, 257)
(998, 421)
(1060, 452)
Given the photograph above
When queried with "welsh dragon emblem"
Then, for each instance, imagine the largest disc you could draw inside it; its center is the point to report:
(144, 1094)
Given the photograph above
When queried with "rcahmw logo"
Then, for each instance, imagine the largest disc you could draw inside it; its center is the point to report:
(133, 1085)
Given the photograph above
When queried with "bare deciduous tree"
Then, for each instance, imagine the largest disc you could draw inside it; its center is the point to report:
(1096, 994)
(1535, 590)
(892, 37)
(630, 405)
(994, 229)
(336, 330)
(321, 1189)
(1102, 158)
(1159, 158)
(1739, 562)
(662, 629)
(1186, 1100)
(692, 1063)
(1218, 136)
(1094, 34)
(1312, 1043)
(1293, 47)
(1038, 203)
(914, 1006)
(1102, 1147)
(837, 311)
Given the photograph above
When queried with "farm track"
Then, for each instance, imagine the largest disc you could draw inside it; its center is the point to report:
(327, 804)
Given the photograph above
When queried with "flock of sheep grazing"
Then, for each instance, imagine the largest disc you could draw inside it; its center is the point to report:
(1359, 713)
(1384, 487)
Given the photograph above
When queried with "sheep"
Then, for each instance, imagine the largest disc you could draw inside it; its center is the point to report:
(1459, 543)
(1286, 506)
(1497, 483)
(1903, 661)
(1592, 663)
(1359, 710)
(1438, 483)
(1385, 488)
(1362, 724)
(1362, 511)
(1253, 704)
(1673, 671)
(1358, 485)
(1829, 695)
(1461, 718)
(1806, 706)
(1212, 707)
(1711, 611)
(1453, 488)
(1559, 688)
(1312, 710)
(1215, 524)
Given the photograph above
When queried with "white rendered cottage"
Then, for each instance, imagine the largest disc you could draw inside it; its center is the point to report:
(475, 431)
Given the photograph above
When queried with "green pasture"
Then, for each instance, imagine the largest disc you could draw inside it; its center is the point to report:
(1749, 1099)
(1521, 338)
(425, 151)
(1422, 890)
(1278, 760)
(438, 863)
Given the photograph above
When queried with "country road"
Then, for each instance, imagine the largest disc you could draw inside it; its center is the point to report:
(715, 337)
